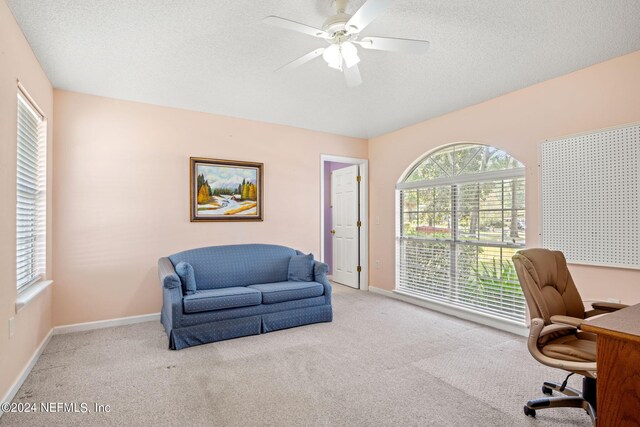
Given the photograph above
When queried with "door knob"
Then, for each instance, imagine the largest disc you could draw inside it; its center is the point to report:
(333, 231)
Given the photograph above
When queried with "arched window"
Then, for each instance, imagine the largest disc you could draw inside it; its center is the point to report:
(461, 218)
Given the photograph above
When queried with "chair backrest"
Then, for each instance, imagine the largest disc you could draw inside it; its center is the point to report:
(237, 265)
(547, 284)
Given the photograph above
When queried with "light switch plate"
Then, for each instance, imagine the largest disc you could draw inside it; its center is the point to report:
(12, 327)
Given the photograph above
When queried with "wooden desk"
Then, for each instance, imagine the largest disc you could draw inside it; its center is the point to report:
(618, 359)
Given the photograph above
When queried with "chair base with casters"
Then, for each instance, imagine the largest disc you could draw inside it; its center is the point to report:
(572, 398)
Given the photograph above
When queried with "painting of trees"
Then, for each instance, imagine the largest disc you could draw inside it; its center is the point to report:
(247, 190)
(203, 195)
(225, 190)
(204, 189)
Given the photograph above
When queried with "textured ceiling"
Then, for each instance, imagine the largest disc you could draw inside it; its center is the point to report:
(217, 56)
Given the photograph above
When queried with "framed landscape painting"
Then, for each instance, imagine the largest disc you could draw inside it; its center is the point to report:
(225, 190)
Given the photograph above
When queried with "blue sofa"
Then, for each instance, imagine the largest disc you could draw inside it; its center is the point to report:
(241, 290)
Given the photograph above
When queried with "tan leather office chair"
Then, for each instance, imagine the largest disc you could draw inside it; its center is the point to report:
(555, 339)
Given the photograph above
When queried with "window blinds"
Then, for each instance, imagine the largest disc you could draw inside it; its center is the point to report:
(31, 194)
(456, 240)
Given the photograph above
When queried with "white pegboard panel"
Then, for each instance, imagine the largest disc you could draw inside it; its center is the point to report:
(590, 197)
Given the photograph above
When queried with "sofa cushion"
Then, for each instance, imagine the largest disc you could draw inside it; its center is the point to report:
(220, 299)
(184, 270)
(288, 291)
(301, 268)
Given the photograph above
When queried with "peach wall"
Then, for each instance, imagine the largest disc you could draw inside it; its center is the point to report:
(121, 196)
(603, 95)
(34, 322)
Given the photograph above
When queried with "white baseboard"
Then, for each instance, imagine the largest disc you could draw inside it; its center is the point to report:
(101, 324)
(13, 390)
(381, 291)
(67, 329)
(482, 319)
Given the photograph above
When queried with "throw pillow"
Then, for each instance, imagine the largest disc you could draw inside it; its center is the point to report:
(187, 277)
(301, 268)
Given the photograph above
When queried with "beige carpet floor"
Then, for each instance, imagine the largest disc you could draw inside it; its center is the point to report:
(381, 362)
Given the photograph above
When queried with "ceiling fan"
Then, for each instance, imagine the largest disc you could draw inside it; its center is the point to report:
(342, 32)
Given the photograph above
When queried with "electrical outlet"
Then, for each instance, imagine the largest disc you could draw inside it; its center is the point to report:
(377, 219)
(11, 327)
(378, 264)
(614, 300)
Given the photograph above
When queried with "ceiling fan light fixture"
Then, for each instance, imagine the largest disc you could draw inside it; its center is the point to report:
(350, 54)
(333, 56)
(342, 33)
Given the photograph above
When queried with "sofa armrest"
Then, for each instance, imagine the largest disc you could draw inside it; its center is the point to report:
(172, 312)
(171, 295)
(320, 270)
(167, 274)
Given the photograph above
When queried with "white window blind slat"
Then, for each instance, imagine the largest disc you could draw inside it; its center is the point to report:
(27, 130)
(29, 188)
(28, 136)
(26, 174)
(26, 157)
(31, 194)
(456, 237)
(25, 166)
(26, 197)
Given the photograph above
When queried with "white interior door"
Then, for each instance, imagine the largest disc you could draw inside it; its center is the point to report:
(346, 238)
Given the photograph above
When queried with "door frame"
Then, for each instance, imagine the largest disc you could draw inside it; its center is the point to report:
(364, 211)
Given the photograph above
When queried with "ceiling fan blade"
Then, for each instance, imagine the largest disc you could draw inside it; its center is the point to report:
(302, 60)
(366, 14)
(352, 75)
(394, 45)
(288, 24)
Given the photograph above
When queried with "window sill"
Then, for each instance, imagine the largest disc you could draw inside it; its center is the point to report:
(30, 293)
(478, 317)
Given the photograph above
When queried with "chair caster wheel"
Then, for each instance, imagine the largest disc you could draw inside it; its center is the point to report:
(529, 412)
(546, 390)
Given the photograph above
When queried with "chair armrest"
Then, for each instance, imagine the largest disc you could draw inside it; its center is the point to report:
(567, 320)
(607, 306)
(556, 327)
(167, 274)
(537, 330)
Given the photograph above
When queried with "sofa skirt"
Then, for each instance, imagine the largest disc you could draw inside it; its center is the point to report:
(215, 331)
(253, 325)
(293, 318)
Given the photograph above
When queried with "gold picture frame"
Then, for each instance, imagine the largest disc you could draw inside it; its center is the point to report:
(225, 190)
